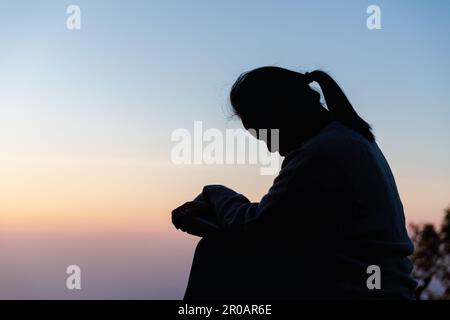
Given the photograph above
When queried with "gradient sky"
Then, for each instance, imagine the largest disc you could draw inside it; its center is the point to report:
(86, 118)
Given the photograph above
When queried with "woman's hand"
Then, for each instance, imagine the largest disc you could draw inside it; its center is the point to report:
(195, 217)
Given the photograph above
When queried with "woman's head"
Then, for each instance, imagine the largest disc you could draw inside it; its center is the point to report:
(277, 98)
(267, 97)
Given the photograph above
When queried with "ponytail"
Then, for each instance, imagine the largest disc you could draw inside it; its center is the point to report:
(338, 104)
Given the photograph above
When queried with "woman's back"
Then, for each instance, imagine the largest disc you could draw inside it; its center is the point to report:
(348, 216)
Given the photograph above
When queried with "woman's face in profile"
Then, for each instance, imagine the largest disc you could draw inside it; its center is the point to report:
(266, 131)
(278, 126)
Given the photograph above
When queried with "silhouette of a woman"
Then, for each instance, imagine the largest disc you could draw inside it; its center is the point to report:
(333, 210)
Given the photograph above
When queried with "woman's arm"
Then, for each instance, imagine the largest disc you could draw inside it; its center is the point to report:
(236, 214)
(304, 192)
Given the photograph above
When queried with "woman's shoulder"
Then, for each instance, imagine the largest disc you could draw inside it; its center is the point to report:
(335, 142)
(336, 138)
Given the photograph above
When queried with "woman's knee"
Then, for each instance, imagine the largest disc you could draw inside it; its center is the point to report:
(210, 246)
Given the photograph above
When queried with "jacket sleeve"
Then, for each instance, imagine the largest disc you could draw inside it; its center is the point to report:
(236, 214)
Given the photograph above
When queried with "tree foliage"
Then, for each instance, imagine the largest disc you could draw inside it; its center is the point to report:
(432, 258)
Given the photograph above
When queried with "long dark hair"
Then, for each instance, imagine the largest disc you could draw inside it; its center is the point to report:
(254, 85)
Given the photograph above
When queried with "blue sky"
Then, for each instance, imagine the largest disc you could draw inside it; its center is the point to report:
(170, 62)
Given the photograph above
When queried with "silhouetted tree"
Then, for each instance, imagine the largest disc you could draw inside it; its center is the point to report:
(432, 257)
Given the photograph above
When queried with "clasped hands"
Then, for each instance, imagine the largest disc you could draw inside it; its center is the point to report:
(196, 217)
